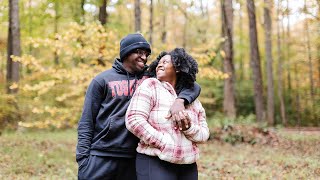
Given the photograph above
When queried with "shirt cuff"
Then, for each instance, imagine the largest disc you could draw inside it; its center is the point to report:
(188, 131)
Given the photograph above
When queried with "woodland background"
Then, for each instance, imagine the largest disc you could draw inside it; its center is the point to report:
(259, 66)
(259, 60)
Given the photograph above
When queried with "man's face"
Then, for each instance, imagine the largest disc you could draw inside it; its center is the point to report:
(136, 61)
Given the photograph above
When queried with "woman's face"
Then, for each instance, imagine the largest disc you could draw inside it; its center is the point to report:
(165, 70)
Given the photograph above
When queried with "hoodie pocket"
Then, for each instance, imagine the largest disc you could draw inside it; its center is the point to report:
(83, 163)
(168, 143)
(116, 137)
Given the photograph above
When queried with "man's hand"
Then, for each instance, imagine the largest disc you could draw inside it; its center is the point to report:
(178, 116)
(186, 123)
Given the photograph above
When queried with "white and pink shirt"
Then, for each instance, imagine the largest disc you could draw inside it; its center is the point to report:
(145, 118)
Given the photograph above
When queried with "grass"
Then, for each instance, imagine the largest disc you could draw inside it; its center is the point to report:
(51, 155)
(246, 162)
(38, 155)
(296, 156)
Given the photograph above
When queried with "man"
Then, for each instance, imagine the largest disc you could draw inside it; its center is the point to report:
(106, 149)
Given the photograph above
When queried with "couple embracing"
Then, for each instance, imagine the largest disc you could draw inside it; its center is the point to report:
(142, 122)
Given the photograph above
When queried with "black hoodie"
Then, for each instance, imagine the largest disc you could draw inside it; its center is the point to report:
(101, 129)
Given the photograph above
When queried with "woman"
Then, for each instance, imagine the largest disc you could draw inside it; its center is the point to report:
(165, 152)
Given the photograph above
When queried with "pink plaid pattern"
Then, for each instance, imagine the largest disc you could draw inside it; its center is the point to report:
(145, 118)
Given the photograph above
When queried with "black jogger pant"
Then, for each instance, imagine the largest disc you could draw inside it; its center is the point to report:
(107, 168)
(152, 168)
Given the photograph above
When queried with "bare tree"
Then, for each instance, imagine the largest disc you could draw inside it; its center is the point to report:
(227, 32)
(318, 44)
(240, 50)
(185, 26)
(268, 48)
(255, 62)
(137, 16)
(205, 15)
(151, 22)
(185, 29)
(288, 41)
(56, 22)
(163, 21)
(103, 14)
(83, 12)
(30, 23)
(13, 45)
(280, 68)
(297, 94)
(307, 38)
(78, 12)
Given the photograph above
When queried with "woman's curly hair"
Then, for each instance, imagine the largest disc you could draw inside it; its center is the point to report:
(184, 64)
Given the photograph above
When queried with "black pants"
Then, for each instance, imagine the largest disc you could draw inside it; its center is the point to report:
(107, 168)
(152, 168)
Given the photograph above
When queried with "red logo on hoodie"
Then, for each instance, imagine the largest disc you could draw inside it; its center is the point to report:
(122, 88)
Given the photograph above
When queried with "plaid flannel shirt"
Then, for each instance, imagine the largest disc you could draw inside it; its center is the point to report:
(145, 118)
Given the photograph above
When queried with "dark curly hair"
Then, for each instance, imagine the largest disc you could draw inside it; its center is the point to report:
(186, 66)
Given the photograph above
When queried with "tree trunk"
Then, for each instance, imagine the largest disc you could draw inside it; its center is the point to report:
(83, 13)
(241, 43)
(184, 37)
(151, 22)
(204, 15)
(164, 17)
(288, 52)
(255, 62)
(309, 59)
(318, 54)
(137, 16)
(318, 42)
(279, 69)
(103, 15)
(268, 48)
(13, 45)
(30, 24)
(185, 26)
(297, 96)
(227, 32)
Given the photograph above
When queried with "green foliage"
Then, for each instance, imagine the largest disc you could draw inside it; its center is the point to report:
(211, 96)
(9, 112)
(219, 120)
(244, 98)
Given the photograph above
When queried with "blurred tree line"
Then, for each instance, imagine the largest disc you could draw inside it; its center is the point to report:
(258, 57)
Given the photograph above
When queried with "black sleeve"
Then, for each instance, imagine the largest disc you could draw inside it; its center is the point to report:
(93, 99)
(190, 94)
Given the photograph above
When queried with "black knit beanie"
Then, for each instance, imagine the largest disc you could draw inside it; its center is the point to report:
(132, 42)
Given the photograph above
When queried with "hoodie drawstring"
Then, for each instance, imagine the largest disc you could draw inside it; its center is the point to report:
(133, 86)
(128, 85)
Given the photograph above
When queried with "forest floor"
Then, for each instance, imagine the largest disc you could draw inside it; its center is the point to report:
(286, 154)
(293, 155)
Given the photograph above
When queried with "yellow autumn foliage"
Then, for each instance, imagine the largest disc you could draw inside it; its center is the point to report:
(51, 95)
